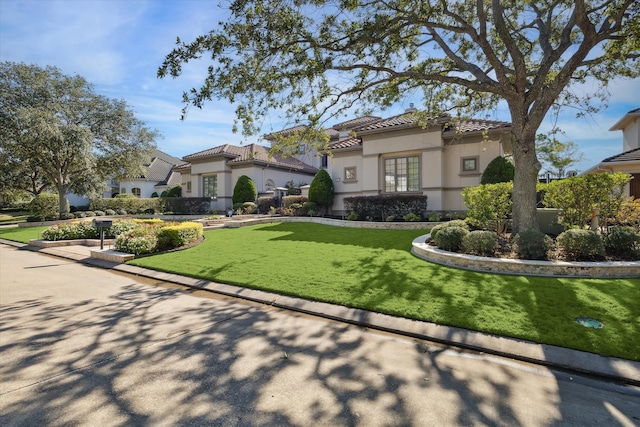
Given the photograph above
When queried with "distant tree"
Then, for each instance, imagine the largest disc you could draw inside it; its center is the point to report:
(313, 60)
(498, 170)
(321, 190)
(175, 191)
(245, 190)
(63, 135)
(557, 156)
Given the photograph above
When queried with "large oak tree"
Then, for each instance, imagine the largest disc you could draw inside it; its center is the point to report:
(313, 58)
(56, 131)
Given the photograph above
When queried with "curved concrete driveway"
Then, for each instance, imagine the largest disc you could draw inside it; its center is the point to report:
(81, 345)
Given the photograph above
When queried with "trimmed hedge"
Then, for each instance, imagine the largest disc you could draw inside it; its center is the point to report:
(174, 236)
(287, 201)
(383, 206)
(132, 205)
(580, 245)
(266, 203)
(185, 205)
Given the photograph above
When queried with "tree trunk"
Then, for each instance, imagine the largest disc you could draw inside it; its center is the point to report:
(62, 197)
(525, 179)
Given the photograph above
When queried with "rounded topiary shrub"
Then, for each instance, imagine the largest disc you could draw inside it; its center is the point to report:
(578, 245)
(532, 245)
(245, 190)
(498, 170)
(480, 242)
(450, 238)
(623, 242)
(44, 206)
(110, 212)
(455, 223)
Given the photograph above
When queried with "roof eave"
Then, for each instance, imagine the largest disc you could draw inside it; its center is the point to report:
(622, 123)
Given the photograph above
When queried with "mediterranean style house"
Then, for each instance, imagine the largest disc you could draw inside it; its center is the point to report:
(365, 156)
(629, 160)
(159, 175)
(214, 172)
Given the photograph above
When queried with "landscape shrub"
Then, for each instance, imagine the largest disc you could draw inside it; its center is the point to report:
(381, 206)
(109, 212)
(67, 215)
(100, 213)
(391, 218)
(532, 245)
(71, 230)
(140, 240)
(352, 216)
(321, 190)
(244, 191)
(450, 238)
(498, 170)
(80, 214)
(265, 204)
(629, 214)
(623, 242)
(410, 217)
(579, 244)
(454, 223)
(309, 209)
(127, 203)
(174, 236)
(175, 191)
(249, 208)
(489, 206)
(44, 207)
(119, 227)
(121, 211)
(287, 201)
(89, 214)
(578, 196)
(480, 242)
(184, 205)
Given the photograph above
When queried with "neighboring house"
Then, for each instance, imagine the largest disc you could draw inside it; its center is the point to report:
(370, 155)
(159, 175)
(214, 172)
(629, 160)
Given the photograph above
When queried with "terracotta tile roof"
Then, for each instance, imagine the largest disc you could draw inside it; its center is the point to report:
(286, 132)
(627, 156)
(475, 126)
(227, 149)
(345, 143)
(181, 167)
(249, 153)
(355, 123)
(399, 120)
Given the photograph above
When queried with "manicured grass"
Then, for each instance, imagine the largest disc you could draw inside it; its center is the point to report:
(374, 270)
(22, 234)
(13, 217)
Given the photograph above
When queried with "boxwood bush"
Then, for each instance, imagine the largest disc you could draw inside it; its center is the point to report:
(450, 238)
(622, 242)
(174, 236)
(480, 242)
(382, 206)
(454, 223)
(532, 245)
(579, 244)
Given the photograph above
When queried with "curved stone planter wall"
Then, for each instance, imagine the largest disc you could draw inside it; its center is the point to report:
(608, 270)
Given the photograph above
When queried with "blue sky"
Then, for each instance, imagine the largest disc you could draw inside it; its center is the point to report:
(118, 46)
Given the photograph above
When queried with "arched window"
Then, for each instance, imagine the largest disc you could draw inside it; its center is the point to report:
(135, 191)
(269, 185)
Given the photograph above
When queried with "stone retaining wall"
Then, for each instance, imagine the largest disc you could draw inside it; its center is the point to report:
(617, 269)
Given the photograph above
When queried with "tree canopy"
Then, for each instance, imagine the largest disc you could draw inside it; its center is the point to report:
(55, 131)
(314, 59)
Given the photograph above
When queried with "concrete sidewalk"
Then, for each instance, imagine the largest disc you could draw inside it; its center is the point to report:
(610, 368)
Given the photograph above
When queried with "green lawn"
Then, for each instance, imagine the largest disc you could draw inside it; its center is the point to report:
(13, 217)
(374, 270)
(22, 234)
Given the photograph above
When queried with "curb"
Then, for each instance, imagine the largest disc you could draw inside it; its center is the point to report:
(609, 368)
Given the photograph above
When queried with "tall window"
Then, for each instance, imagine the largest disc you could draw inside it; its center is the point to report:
(210, 186)
(401, 174)
(135, 191)
(324, 161)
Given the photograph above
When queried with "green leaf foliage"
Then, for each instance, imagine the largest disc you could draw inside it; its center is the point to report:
(498, 170)
(321, 190)
(489, 205)
(56, 132)
(245, 190)
(311, 60)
